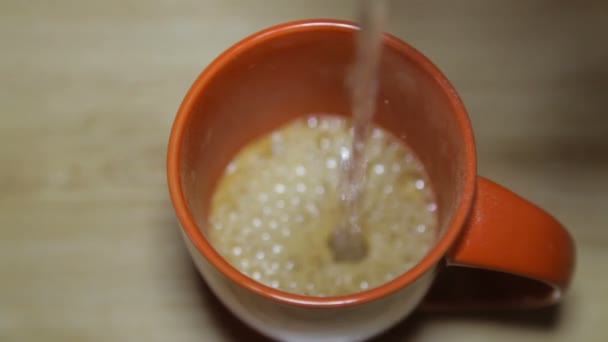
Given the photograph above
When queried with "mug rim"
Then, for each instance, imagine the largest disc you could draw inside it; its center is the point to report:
(204, 247)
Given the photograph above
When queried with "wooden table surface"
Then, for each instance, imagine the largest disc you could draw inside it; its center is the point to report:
(89, 247)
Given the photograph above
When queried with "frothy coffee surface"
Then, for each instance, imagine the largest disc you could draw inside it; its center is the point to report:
(278, 201)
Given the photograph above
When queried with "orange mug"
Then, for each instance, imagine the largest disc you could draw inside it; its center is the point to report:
(494, 248)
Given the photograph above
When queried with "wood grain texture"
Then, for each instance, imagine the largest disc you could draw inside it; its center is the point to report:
(89, 249)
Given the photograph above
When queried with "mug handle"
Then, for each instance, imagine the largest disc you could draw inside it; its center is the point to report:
(511, 254)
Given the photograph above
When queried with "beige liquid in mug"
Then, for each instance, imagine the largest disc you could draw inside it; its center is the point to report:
(278, 201)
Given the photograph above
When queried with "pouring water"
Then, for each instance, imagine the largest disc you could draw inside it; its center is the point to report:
(347, 240)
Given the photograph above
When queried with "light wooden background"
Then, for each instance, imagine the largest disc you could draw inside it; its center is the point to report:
(89, 250)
